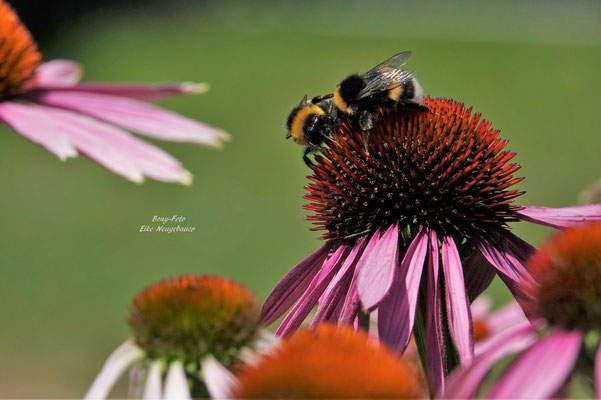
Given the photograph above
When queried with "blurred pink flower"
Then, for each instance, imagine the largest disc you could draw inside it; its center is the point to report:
(565, 293)
(46, 104)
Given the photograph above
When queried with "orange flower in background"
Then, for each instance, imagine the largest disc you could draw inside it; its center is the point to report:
(45, 103)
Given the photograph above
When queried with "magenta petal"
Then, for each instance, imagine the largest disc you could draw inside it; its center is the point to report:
(58, 73)
(598, 372)
(132, 91)
(541, 370)
(458, 308)
(338, 288)
(292, 285)
(561, 217)
(435, 348)
(135, 115)
(477, 273)
(377, 268)
(303, 307)
(116, 149)
(37, 127)
(396, 314)
(464, 383)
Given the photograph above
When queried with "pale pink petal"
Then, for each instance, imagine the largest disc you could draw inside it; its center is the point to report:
(541, 370)
(38, 128)
(176, 383)
(292, 285)
(598, 372)
(435, 347)
(464, 383)
(123, 357)
(93, 145)
(153, 386)
(135, 115)
(350, 307)
(477, 273)
(337, 288)
(458, 308)
(104, 143)
(303, 307)
(219, 381)
(377, 268)
(481, 307)
(396, 314)
(561, 217)
(132, 90)
(58, 73)
(505, 317)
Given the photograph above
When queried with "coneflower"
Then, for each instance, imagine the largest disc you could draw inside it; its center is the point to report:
(178, 324)
(565, 293)
(328, 363)
(45, 103)
(420, 217)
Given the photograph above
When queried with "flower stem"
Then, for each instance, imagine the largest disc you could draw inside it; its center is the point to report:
(363, 318)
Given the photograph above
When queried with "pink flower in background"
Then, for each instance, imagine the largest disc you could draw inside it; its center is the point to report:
(421, 218)
(488, 324)
(46, 104)
(565, 293)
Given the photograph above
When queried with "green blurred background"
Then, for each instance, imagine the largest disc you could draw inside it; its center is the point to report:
(71, 254)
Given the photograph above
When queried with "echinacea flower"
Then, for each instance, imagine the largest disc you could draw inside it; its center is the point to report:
(45, 103)
(565, 293)
(178, 324)
(433, 190)
(328, 363)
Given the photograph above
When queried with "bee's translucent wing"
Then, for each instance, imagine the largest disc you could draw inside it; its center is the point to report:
(396, 61)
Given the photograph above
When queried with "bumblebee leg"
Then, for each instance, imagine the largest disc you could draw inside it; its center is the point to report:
(306, 159)
(366, 123)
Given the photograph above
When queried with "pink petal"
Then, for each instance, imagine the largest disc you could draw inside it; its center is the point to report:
(463, 383)
(377, 268)
(116, 149)
(135, 115)
(458, 308)
(396, 314)
(435, 348)
(132, 90)
(38, 128)
(541, 370)
(477, 273)
(292, 285)
(337, 288)
(598, 372)
(58, 73)
(481, 307)
(561, 217)
(304, 306)
(505, 317)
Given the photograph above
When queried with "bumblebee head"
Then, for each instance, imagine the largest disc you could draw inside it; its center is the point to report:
(293, 115)
(304, 122)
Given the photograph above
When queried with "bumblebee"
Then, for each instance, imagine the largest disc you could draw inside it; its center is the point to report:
(383, 86)
(311, 122)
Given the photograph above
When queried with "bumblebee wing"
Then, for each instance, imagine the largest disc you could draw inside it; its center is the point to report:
(383, 80)
(396, 61)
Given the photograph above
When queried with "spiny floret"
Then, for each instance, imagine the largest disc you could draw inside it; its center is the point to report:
(329, 363)
(566, 282)
(19, 56)
(189, 317)
(443, 168)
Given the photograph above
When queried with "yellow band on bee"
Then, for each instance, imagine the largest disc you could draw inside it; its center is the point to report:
(340, 103)
(299, 121)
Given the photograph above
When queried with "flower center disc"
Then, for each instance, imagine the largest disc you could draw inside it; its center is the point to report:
(19, 56)
(189, 317)
(442, 168)
(567, 278)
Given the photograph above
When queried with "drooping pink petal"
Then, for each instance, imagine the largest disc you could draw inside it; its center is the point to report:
(303, 307)
(292, 285)
(464, 383)
(153, 387)
(377, 269)
(135, 115)
(458, 308)
(116, 149)
(38, 128)
(561, 217)
(541, 370)
(58, 73)
(131, 90)
(477, 273)
(338, 287)
(598, 372)
(396, 314)
(435, 347)
(522, 249)
(497, 259)
(350, 307)
(176, 383)
(220, 382)
(505, 317)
